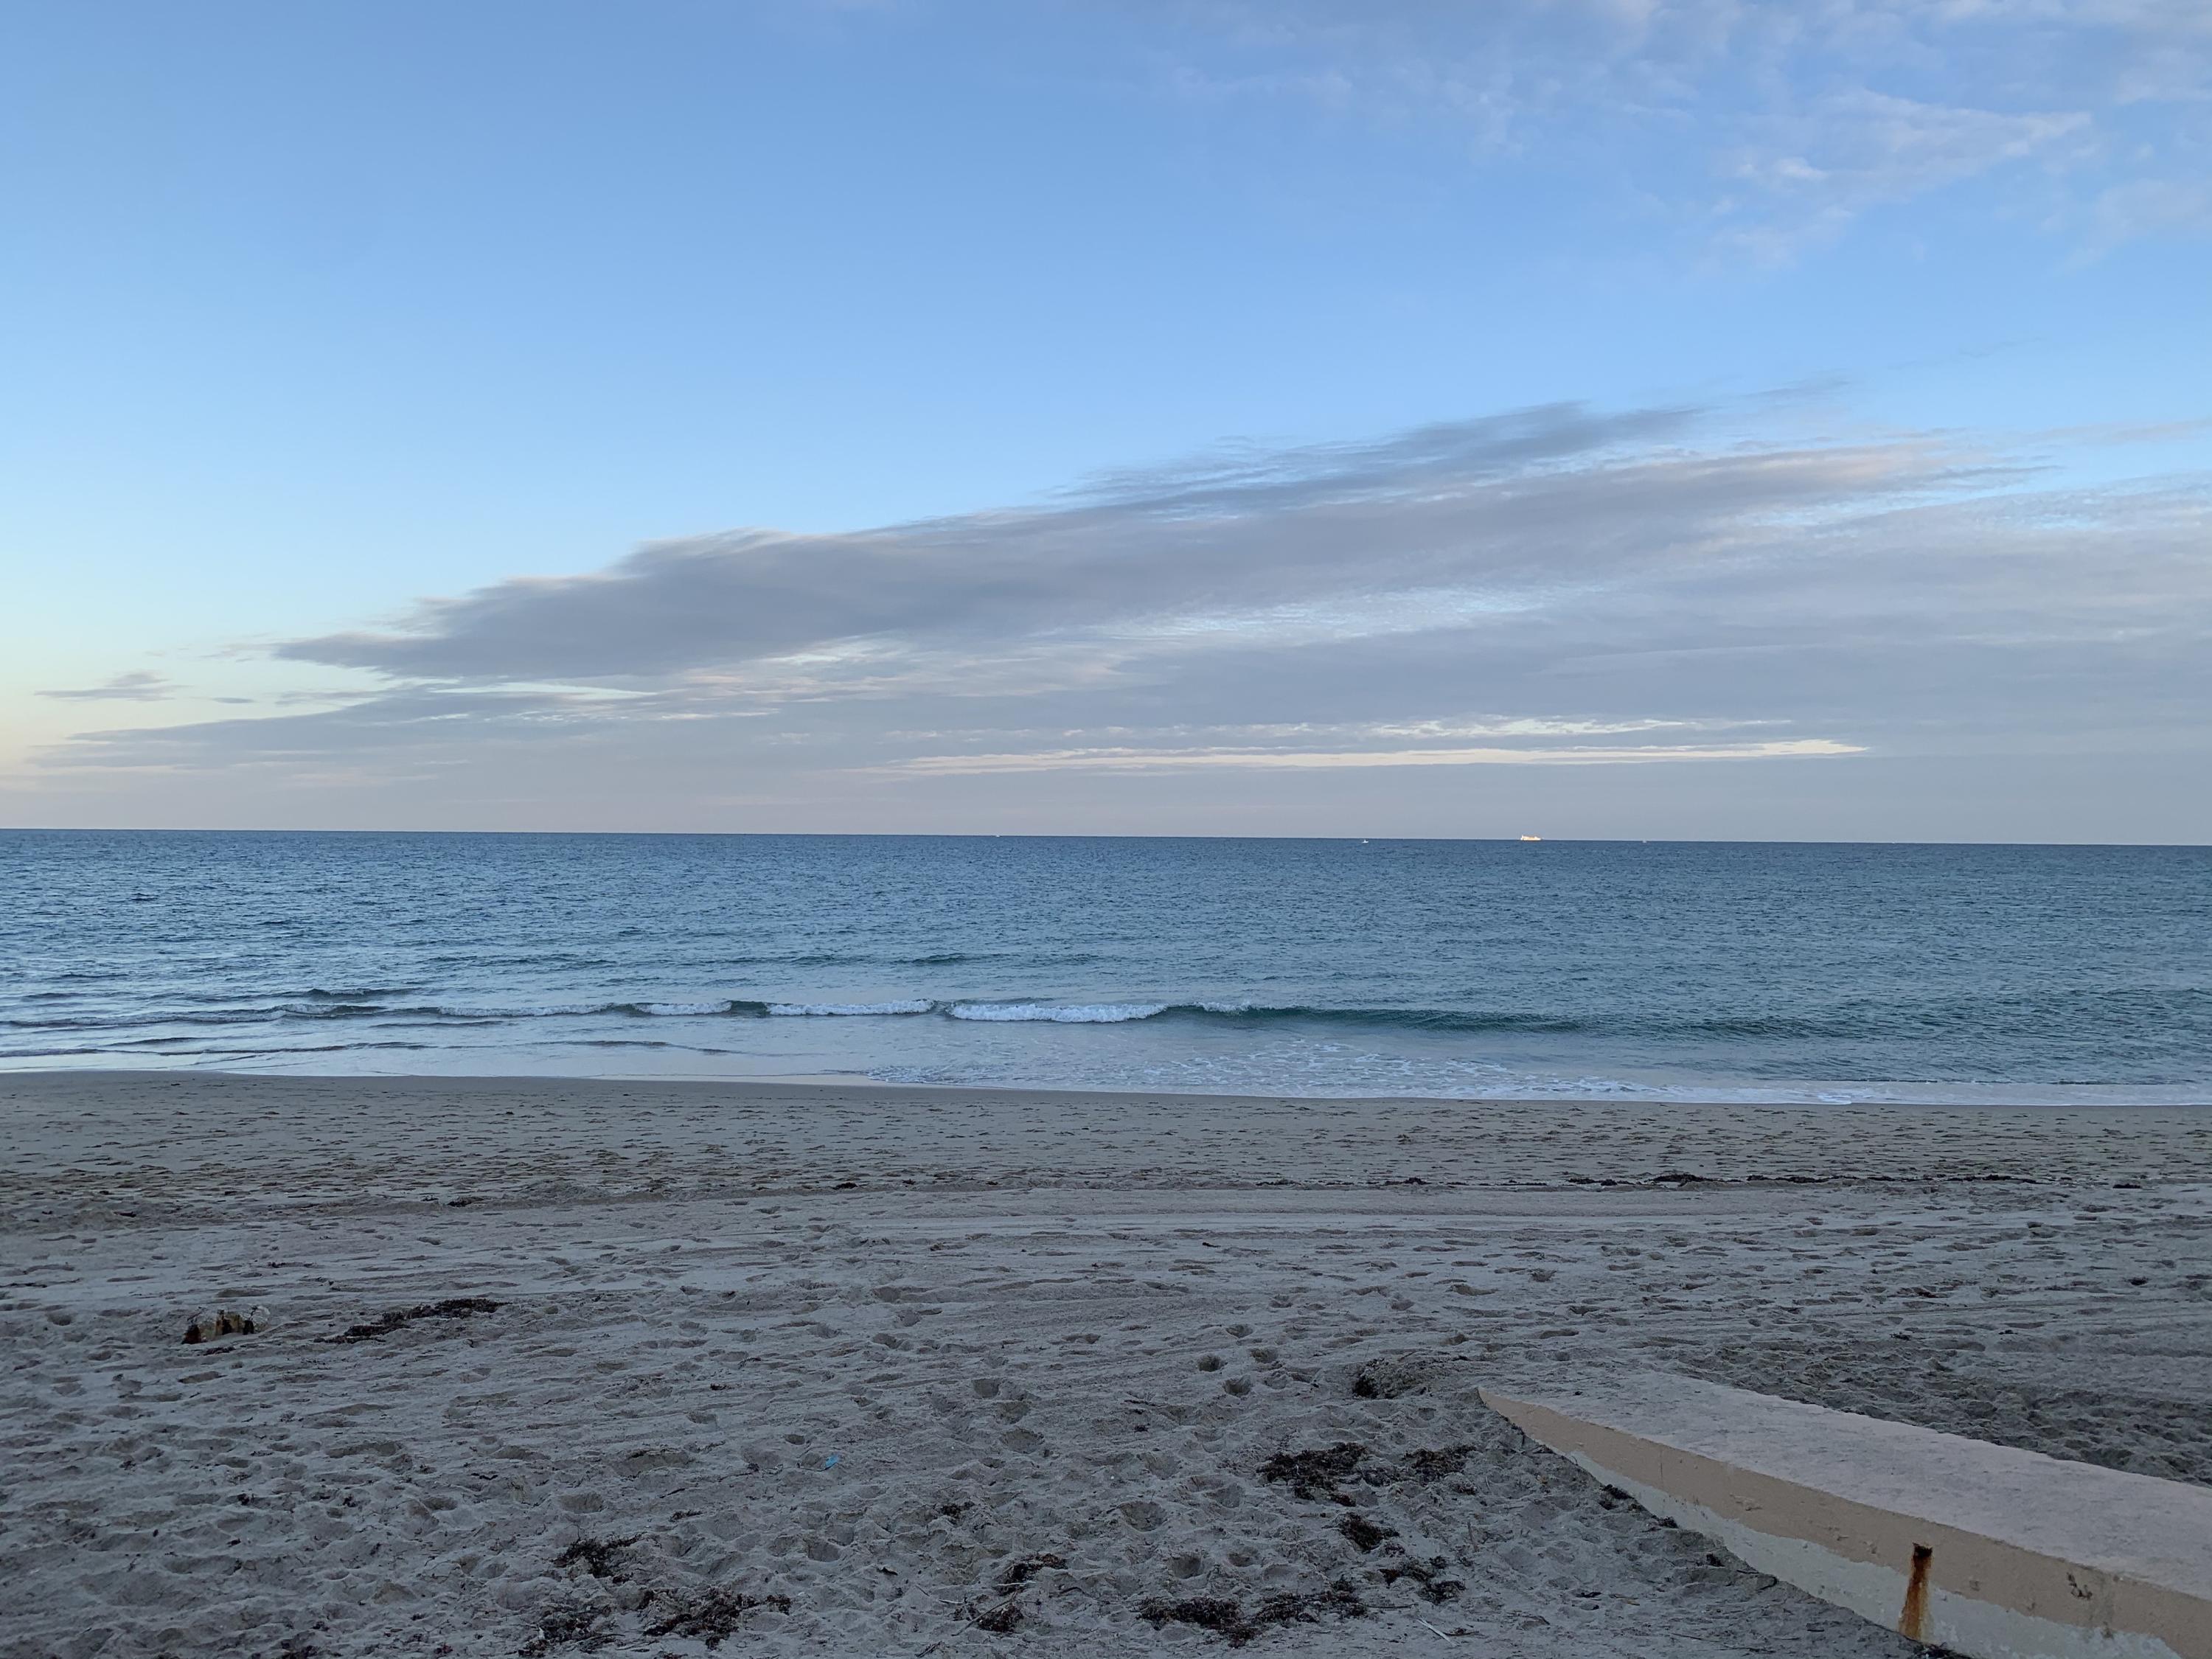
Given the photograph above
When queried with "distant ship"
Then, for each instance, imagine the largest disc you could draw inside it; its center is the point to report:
(1532, 838)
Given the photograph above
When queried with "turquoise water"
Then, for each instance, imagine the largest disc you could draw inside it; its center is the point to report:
(1308, 966)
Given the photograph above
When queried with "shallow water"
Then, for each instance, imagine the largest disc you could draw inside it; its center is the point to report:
(1306, 967)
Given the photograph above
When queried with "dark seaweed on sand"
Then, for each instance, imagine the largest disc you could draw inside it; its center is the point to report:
(1314, 1475)
(1227, 1618)
(1320, 1472)
(709, 1615)
(580, 1624)
(1388, 1379)
(1018, 1573)
(1001, 1619)
(602, 1557)
(1364, 1534)
(1429, 1576)
(1213, 1613)
(453, 1307)
(1433, 1462)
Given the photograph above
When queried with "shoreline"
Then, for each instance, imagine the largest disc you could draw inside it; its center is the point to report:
(2194, 1098)
(904, 1359)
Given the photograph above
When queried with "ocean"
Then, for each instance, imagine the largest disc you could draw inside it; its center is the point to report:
(1663, 971)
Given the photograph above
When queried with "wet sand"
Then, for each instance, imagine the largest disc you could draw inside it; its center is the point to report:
(959, 1371)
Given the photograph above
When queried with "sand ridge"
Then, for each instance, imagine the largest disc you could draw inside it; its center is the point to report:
(958, 1371)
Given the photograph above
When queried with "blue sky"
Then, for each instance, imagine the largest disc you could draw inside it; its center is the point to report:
(319, 316)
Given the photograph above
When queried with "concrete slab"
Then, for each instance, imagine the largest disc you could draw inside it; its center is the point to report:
(1988, 1551)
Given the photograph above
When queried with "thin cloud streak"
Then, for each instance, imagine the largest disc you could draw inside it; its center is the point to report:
(1762, 131)
(139, 687)
(1145, 760)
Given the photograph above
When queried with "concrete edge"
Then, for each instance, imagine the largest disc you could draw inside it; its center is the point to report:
(1977, 1595)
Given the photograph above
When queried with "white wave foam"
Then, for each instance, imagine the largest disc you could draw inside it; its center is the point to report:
(722, 1007)
(833, 1010)
(1087, 1013)
(526, 1011)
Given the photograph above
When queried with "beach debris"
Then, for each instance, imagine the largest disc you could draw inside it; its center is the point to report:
(1214, 1613)
(1002, 1618)
(453, 1307)
(1364, 1534)
(1321, 1473)
(1227, 1618)
(207, 1326)
(709, 1615)
(1314, 1475)
(602, 1557)
(1018, 1573)
(1427, 1576)
(1389, 1378)
(588, 1622)
(1434, 1462)
(571, 1623)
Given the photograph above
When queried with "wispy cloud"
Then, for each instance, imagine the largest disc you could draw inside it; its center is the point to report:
(1150, 760)
(137, 687)
(1809, 174)
(1766, 128)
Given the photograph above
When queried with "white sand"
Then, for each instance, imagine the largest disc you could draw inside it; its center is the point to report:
(1023, 1325)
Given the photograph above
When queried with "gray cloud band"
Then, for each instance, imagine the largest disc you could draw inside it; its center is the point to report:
(1550, 587)
(1228, 536)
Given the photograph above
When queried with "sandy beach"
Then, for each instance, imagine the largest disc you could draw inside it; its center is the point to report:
(643, 1369)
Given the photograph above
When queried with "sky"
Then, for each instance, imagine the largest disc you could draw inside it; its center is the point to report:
(1622, 418)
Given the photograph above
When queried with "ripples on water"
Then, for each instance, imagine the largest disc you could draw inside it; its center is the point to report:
(1305, 967)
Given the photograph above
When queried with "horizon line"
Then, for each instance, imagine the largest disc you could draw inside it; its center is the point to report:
(1523, 839)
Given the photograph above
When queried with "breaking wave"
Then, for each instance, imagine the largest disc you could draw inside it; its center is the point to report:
(847, 1010)
(1844, 1021)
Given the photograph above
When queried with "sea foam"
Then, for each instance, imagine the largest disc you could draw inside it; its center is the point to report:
(1081, 1013)
(850, 1010)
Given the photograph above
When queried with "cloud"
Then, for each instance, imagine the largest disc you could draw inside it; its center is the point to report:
(2149, 207)
(1225, 538)
(137, 687)
(1815, 170)
(1147, 760)
(1547, 588)
(1763, 129)
(1441, 528)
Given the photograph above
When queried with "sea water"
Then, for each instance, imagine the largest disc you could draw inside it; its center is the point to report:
(1298, 967)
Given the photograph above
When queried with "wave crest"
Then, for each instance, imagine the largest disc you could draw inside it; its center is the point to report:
(849, 1010)
(1081, 1013)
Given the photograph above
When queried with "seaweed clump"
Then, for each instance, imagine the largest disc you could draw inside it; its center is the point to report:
(580, 1624)
(711, 1615)
(1314, 1475)
(453, 1307)
(1227, 1618)
(602, 1557)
